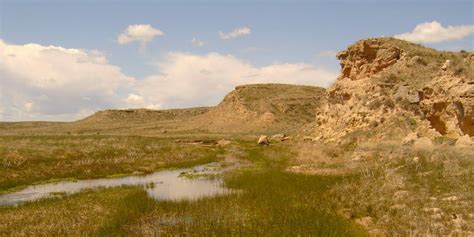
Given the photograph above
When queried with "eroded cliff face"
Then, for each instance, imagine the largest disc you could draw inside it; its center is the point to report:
(367, 58)
(389, 88)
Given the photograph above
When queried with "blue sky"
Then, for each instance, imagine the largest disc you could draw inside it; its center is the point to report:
(282, 32)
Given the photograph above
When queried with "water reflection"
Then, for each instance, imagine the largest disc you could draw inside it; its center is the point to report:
(192, 183)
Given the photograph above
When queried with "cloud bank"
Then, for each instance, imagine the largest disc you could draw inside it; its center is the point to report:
(138, 33)
(186, 80)
(54, 83)
(434, 32)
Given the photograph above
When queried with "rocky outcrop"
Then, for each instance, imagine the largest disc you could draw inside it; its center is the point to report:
(390, 88)
(367, 58)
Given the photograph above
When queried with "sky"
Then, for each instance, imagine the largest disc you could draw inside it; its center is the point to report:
(64, 60)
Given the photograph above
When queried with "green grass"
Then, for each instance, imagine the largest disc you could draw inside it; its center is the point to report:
(27, 160)
(271, 202)
(90, 213)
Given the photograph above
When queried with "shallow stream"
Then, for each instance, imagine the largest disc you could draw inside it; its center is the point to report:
(190, 183)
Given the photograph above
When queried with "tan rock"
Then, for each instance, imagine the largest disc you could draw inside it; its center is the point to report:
(223, 142)
(423, 143)
(278, 137)
(416, 159)
(446, 65)
(384, 89)
(263, 140)
(464, 141)
(450, 198)
(410, 138)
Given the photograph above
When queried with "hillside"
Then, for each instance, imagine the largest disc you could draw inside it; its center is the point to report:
(389, 88)
(247, 109)
(139, 120)
(126, 121)
(263, 108)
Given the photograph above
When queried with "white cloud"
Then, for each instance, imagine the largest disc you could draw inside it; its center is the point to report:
(197, 43)
(235, 33)
(42, 81)
(192, 80)
(53, 83)
(140, 33)
(434, 32)
(134, 99)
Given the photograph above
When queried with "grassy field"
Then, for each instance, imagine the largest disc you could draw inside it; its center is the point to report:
(286, 189)
(90, 213)
(270, 202)
(397, 190)
(32, 159)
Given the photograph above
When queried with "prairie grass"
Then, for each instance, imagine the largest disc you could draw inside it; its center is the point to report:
(411, 192)
(271, 202)
(90, 213)
(33, 159)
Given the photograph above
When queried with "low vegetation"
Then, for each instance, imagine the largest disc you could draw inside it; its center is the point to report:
(397, 190)
(89, 213)
(348, 175)
(32, 159)
(269, 202)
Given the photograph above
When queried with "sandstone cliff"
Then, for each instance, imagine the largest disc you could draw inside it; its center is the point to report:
(389, 88)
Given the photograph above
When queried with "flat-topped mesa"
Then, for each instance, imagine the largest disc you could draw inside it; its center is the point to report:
(137, 115)
(263, 108)
(391, 87)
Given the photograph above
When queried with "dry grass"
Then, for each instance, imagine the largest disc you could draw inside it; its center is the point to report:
(86, 214)
(28, 159)
(271, 203)
(402, 191)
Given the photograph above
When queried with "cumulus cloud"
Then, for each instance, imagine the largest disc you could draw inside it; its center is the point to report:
(434, 32)
(54, 83)
(186, 80)
(235, 33)
(197, 42)
(41, 82)
(140, 33)
(134, 99)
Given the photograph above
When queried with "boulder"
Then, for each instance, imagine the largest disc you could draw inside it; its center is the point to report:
(263, 140)
(446, 65)
(423, 143)
(223, 142)
(416, 159)
(278, 137)
(410, 138)
(464, 141)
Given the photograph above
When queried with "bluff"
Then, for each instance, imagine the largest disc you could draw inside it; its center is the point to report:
(389, 88)
(263, 108)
